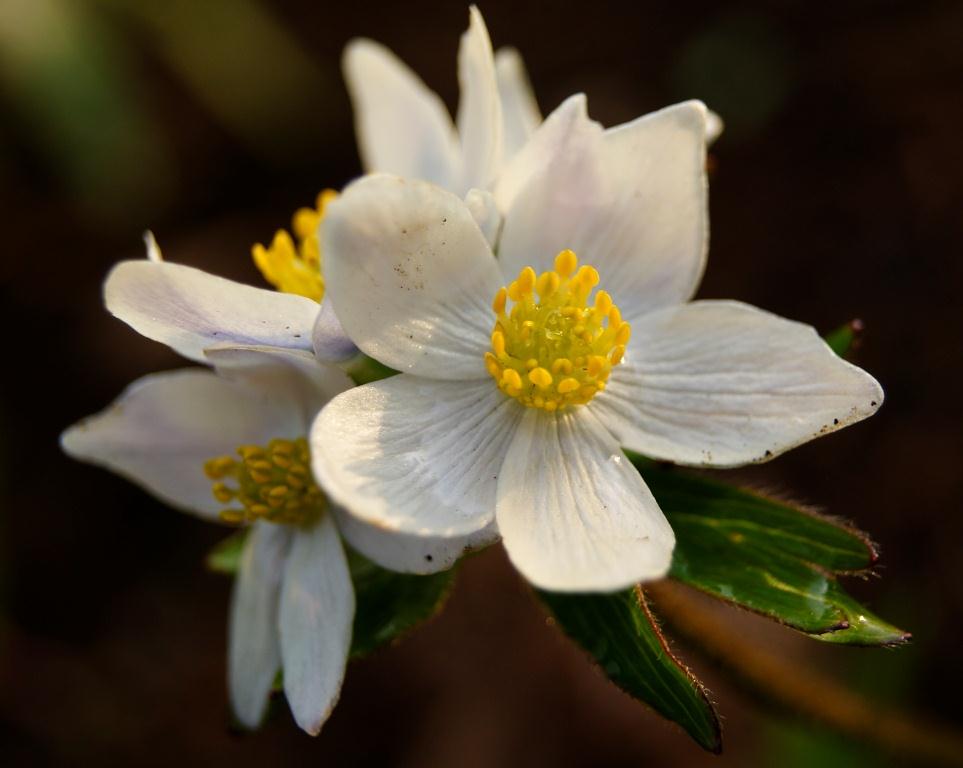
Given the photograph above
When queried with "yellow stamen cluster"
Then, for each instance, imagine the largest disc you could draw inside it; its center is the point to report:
(272, 483)
(296, 268)
(553, 350)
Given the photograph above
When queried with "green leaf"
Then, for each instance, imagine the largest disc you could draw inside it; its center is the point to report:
(388, 605)
(364, 370)
(841, 340)
(225, 556)
(620, 633)
(769, 556)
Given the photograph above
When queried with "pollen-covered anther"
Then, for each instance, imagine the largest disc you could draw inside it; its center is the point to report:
(296, 267)
(553, 348)
(269, 483)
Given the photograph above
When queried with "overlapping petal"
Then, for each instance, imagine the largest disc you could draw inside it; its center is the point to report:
(416, 456)
(520, 113)
(479, 116)
(720, 383)
(574, 514)
(190, 310)
(402, 126)
(631, 201)
(411, 276)
(254, 652)
(315, 618)
(163, 427)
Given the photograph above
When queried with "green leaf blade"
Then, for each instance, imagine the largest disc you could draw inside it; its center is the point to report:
(389, 605)
(620, 633)
(768, 556)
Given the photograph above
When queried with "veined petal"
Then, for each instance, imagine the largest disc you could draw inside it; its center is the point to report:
(574, 514)
(416, 456)
(315, 618)
(411, 276)
(190, 310)
(520, 113)
(409, 552)
(720, 383)
(631, 201)
(402, 126)
(288, 375)
(254, 650)
(479, 117)
(163, 427)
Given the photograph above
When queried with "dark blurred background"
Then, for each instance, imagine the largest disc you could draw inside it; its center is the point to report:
(836, 193)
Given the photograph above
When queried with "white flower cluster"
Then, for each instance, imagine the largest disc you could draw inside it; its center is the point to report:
(531, 281)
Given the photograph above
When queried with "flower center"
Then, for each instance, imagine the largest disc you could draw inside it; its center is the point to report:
(552, 349)
(272, 483)
(296, 268)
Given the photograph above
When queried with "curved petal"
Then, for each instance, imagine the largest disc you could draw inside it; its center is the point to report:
(409, 552)
(328, 339)
(481, 204)
(288, 374)
(719, 383)
(163, 427)
(402, 126)
(411, 276)
(574, 514)
(520, 113)
(479, 117)
(714, 126)
(315, 618)
(631, 201)
(254, 650)
(190, 310)
(415, 456)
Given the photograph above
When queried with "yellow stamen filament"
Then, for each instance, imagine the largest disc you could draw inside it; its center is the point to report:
(296, 267)
(553, 348)
(272, 483)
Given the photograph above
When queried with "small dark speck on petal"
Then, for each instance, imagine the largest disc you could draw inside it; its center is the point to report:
(873, 404)
(768, 453)
(444, 221)
(297, 335)
(429, 558)
(835, 421)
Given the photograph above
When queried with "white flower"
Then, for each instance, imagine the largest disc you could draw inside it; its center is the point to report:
(404, 128)
(450, 451)
(293, 603)
(190, 310)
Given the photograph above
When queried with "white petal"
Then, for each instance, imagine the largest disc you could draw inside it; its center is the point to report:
(631, 201)
(481, 204)
(573, 512)
(189, 310)
(416, 456)
(317, 610)
(254, 650)
(479, 110)
(566, 144)
(163, 427)
(153, 249)
(411, 276)
(328, 339)
(409, 552)
(289, 375)
(402, 126)
(719, 383)
(714, 126)
(520, 113)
